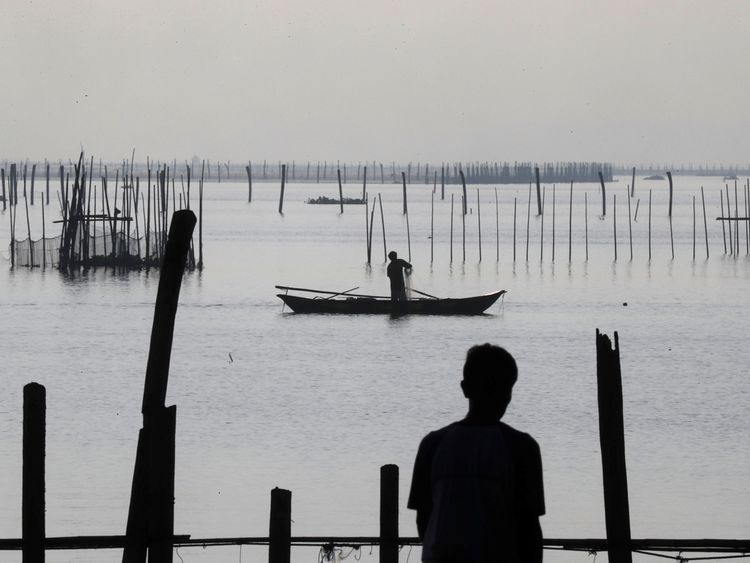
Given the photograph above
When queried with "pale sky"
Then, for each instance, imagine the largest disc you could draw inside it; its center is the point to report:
(635, 81)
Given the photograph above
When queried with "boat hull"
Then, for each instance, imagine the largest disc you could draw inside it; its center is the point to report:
(371, 306)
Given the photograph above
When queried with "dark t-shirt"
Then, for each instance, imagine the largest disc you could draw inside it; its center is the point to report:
(476, 482)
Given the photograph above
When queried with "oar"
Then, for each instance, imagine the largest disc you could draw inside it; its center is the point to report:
(340, 293)
(423, 293)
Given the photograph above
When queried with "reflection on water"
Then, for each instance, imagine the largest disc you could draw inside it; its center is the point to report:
(317, 403)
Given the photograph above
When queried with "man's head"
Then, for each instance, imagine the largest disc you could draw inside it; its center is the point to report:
(392, 255)
(489, 375)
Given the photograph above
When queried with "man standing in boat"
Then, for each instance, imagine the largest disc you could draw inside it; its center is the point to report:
(477, 484)
(395, 272)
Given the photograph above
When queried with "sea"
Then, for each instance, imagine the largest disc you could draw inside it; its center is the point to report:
(316, 404)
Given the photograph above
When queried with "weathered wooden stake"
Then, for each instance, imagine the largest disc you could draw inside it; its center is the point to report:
(541, 230)
(632, 184)
(389, 514)
(33, 501)
(280, 526)
(281, 194)
(515, 208)
(364, 181)
(604, 195)
(382, 222)
(432, 226)
(586, 221)
(463, 184)
(570, 223)
(612, 442)
(669, 175)
(341, 191)
(705, 223)
(553, 223)
(630, 230)
(463, 230)
(497, 228)
(451, 245)
(649, 225)
(408, 237)
(479, 226)
(403, 183)
(539, 205)
(528, 221)
(442, 182)
(369, 239)
(614, 223)
(249, 169)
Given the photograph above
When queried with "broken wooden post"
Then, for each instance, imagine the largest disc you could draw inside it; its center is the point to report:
(604, 195)
(150, 525)
(280, 526)
(389, 514)
(612, 440)
(249, 169)
(33, 507)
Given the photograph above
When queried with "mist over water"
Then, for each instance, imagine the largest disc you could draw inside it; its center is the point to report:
(317, 404)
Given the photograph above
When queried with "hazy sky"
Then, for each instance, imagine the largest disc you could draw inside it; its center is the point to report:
(631, 81)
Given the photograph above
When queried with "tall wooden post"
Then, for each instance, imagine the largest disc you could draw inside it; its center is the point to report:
(389, 514)
(463, 184)
(403, 182)
(669, 175)
(280, 526)
(538, 192)
(281, 194)
(249, 169)
(364, 182)
(612, 440)
(604, 195)
(32, 517)
(341, 191)
(150, 526)
(632, 184)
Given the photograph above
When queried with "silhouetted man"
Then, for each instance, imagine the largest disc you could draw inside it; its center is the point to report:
(477, 484)
(395, 272)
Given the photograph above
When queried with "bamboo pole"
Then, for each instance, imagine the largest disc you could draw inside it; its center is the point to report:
(671, 237)
(586, 221)
(528, 221)
(408, 237)
(604, 194)
(541, 231)
(341, 191)
(281, 193)
(705, 223)
(33, 174)
(463, 184)
(5, 199)
(33, 473)
(382, 222)
(669, 176)
(442, 182)
(463, 231)
(553, 223)
(614, 223)
(693, 228)
(515, 208)
(403, 182)
(44, 238)
(451, 244)
(367, 228)
(249, 170)
(723, 227)
(369, 244)
(28, 230)
(649, 225)
(200, 220)
(632, 184)
(479, 226)
(539, 203)
(364, 181)
(630, 230)
(432, 226)
(736, 222)
(48, 182)
(497, 228)
(570, 223)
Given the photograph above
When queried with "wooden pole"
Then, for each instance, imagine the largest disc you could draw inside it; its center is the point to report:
(515, 209)
(463, 184)
(479, 226)
(649, 225)
(382, 223)
(281, 194)
(33, 173)
(451, 244)
(5, 199)
(48, 182)
(553, 223)
(200, 222)
(630, 230)
(586, 221)
(705, 223)
(632, 184)
(44, 237)
(367, 228)
(693, 228)
(463, 230)
(249, 169)
(736, 223)
(614, 223)
(541, 230)
(671, 236)
(528, 221)
(723, 227)
(33, 507)
(604, 195)
(570, 223)
(280, 526)
(539, 205)
(497, 228)
(403, 182)
(669, 175)
(369, 243)
(341, 191)
(612, 442)
(388, 514)
(442, 182)
(432, 226)
(364, 181)
(408, 237)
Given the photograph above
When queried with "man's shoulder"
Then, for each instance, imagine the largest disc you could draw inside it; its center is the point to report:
(432, 439)
(519, 438)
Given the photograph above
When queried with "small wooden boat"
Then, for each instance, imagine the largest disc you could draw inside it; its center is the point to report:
(346, 303)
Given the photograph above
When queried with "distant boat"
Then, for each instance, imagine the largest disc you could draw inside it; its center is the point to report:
(731, 177)
(345, 303)
(323, 200)
(654, 177)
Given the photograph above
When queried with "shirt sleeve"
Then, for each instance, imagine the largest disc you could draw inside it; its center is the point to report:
(530, 491)
(420, 495)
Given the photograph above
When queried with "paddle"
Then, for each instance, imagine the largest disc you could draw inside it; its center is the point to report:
(423, 293)
(341, 293)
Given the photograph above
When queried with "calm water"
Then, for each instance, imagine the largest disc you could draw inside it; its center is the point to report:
(317, 404)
